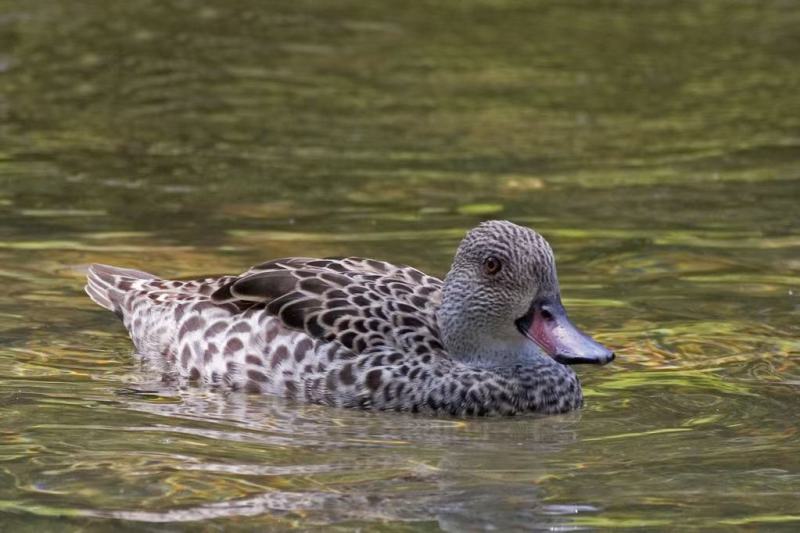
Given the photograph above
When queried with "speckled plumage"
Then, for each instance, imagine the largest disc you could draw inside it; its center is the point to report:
(357, 332)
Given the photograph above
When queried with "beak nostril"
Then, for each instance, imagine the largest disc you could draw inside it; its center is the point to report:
(547, 315)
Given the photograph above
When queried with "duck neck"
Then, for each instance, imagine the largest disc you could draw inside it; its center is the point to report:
(477, 351)
(466, 340)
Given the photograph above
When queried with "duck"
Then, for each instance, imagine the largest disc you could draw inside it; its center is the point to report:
(492, 338)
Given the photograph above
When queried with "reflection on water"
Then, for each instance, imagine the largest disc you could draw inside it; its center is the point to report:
(385, 468)
(655, 146)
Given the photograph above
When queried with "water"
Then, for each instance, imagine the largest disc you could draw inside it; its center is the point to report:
(656, 145)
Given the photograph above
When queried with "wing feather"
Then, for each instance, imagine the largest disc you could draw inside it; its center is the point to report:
(359, 302)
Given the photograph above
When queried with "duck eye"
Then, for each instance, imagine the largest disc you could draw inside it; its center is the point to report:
(491, 265)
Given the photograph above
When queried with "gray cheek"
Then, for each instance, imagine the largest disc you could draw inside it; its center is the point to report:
(518, 301)
(491, 305)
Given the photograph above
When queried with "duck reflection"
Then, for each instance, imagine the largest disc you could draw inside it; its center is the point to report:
(328, 466)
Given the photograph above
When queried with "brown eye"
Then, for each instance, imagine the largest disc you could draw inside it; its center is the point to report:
(491, 265)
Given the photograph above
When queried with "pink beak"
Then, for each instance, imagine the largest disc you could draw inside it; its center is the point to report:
(548, 326)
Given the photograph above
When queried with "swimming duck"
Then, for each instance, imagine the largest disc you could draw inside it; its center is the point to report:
(492, 338)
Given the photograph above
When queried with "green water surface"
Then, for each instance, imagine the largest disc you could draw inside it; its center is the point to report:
(655, 144)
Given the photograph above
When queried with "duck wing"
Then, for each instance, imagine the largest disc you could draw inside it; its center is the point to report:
(361, 303)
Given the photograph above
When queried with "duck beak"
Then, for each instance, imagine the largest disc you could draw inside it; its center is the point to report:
(548, 326)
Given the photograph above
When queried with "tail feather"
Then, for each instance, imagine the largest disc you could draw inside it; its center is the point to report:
(107, 285)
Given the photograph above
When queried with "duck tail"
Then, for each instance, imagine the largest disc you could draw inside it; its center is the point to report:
(107, 285)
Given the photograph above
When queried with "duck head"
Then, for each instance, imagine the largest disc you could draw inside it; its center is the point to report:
(501, 304)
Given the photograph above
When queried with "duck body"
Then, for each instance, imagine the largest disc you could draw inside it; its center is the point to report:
(346, 332)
